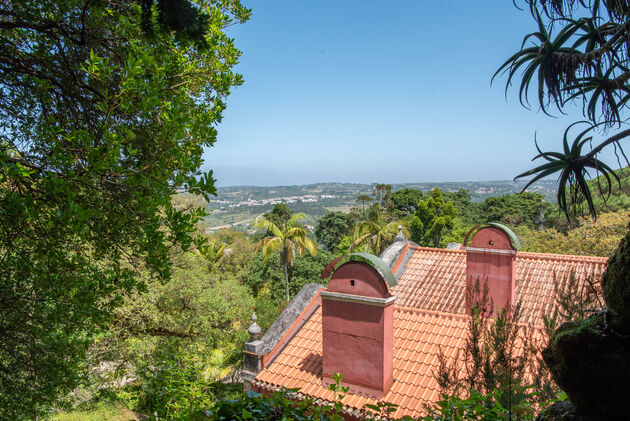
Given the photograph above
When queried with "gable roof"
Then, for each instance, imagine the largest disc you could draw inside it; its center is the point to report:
(435, 279)
(419, 337)
(429, 319)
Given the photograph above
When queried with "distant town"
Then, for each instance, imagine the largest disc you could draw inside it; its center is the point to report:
(238, 207)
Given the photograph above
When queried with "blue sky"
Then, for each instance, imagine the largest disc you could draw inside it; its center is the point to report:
(377, 91)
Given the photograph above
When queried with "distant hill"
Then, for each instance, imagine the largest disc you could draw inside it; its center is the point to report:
(237, 207)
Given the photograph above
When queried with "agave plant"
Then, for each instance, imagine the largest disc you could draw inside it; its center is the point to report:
(542, 58)
(585, 60)
(573, 167)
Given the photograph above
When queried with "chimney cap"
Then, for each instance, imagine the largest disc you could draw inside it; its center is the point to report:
(381, 267)
(254, 330)
(510, 234)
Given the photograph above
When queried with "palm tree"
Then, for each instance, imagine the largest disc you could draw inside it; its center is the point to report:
(290, 238)
(212, 251)
(364, 198)
(376, 234)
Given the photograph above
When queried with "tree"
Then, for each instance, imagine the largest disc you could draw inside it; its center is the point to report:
(403, 202)
(175, 338)
(523, 208)
(590, 238)
(331, 228)
(212, 251)
(587, 61)
(432, 219)
(279, 215)
(381, 193)
(106, 108)
(364, 198)
(584, 61)
(374, 234)
(290, 238)
(467, 211)
(267, 275)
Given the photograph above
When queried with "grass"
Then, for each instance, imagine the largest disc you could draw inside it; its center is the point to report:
(101, 411)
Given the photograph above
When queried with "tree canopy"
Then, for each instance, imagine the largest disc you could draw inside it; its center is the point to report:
(289, 238)
(404, 202)
(432, 219)
(524, 208)
(331, 228)
(106, 108)
(279, 215)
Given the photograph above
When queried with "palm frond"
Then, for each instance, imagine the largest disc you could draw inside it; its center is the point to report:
(268, 226)
(294, 220)
(572, 166)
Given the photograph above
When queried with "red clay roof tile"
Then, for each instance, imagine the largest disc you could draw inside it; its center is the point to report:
(413, 365)
(429, 319)
(435, 279)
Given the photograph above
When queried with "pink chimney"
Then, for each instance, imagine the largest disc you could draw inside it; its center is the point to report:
(357, 326)
(490, 258)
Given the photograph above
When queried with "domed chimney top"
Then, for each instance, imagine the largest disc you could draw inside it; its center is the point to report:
(254, 330)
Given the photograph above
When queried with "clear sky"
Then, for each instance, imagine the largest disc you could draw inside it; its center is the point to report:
(368, 91)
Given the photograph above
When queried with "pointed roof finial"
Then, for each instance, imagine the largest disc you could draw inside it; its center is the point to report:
(400, 236)
(254, 330)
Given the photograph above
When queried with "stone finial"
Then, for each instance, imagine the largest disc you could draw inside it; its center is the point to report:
(254, 330)
(400, 236)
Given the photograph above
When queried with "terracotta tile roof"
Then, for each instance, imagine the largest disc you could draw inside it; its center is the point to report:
(419, 338)
(429, 320)
(435, 279)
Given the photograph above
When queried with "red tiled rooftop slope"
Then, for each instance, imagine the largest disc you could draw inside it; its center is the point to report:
(435, 279)
(419, 337)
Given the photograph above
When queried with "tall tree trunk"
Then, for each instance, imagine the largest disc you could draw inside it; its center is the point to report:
(286, 278)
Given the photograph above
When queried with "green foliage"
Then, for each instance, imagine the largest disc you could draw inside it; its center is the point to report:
(479, 407)
(268, 273)
(585, 61)
(432, 219)
(573, 168)
(331, 228)
(194, 304)
(289, 238)
(364, 198)
(344, 245)
(280, 405)
(172, 383)
(381, 193)
(236, 256)
(177, 339)
(499, 359)
(279, 215)
(589, 238)
(283, 404)
(525, 208)
(111, 410)
(403, 202)
(467, 211)
(619, 197)
(100, 128)
(267, 307)
(375, 234)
